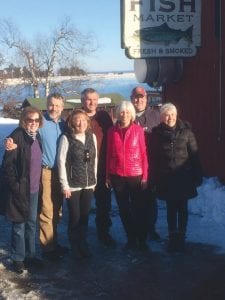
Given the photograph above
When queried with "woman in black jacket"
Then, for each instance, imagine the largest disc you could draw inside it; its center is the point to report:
(21, 172)
(175, 171)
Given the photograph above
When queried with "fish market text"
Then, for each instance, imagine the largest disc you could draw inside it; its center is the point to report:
(163, 18)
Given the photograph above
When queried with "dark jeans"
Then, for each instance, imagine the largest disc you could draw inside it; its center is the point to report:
(177, 215)
(78, 208)
(152, 209)
(103, 206)
(132, 207)
(24, 233)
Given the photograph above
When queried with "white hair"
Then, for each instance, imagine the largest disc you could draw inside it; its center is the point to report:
(126, 105)
(168, 107)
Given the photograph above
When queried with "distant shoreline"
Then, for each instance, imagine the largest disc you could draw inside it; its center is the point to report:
(89, 76)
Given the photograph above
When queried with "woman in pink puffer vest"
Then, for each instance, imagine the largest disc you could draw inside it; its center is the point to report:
(127, 173)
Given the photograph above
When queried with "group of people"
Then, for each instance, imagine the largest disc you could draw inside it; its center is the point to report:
(146, 153)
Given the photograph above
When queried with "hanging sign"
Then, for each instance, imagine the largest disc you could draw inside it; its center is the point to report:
(161, 28)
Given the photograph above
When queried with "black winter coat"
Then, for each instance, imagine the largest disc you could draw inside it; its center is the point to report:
(175, 168)
(149, 119)
(16, 175)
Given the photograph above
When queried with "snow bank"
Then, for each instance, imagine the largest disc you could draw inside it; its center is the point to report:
(210, 203)
(8, 121)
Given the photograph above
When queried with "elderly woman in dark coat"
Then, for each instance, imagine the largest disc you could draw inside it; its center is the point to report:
(21, 174)
(175, 171)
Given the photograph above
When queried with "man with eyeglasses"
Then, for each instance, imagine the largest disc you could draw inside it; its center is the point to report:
(147, 117)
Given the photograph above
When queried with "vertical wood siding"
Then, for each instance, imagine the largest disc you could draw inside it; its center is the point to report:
(197, 94)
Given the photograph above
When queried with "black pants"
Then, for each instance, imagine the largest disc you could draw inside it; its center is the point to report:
(152, 209)
(132, 207)
(177, 215)
(103, 206)
(79, 206)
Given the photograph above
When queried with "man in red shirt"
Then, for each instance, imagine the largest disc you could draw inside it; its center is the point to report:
(100, 123)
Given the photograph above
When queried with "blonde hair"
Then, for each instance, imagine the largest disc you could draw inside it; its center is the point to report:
(74, 113)
(126, 105)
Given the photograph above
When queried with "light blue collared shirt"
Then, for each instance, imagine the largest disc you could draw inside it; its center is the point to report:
(50, 134)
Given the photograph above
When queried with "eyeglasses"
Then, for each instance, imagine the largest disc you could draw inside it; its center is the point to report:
(32, 120)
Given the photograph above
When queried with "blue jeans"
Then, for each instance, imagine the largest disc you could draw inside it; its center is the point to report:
(23, 234)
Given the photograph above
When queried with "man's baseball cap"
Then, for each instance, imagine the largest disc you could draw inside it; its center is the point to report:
(138, 91)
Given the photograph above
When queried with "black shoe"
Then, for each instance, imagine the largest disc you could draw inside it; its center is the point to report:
(76, 253)
(154, 236)
(143, 247)
(33, 262)
(172, 243)
(84, 249)
(61, 249)
(180, 244)
(130, 245)
(107, 240)
(181, 248)
(52, 255)
(176, 242)
(18, 266)
(171, 247)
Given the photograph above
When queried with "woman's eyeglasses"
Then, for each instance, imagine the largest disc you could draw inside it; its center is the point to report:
(32, 120)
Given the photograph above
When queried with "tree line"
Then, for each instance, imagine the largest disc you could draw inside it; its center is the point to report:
(12, 71)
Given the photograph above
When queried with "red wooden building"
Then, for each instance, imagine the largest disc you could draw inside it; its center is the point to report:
(200, 93)
(199, 88)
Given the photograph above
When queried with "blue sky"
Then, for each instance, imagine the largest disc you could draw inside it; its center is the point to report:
(102, 17)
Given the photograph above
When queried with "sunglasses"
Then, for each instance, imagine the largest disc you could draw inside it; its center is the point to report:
(32, 120)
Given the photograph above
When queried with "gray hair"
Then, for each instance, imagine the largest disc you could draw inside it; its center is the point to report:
(87, 91)
(126, 105)
(56, 96)
(167, 107)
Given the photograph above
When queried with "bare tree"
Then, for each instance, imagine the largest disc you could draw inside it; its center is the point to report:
(11, 37)
(64, 44)
(2, 73)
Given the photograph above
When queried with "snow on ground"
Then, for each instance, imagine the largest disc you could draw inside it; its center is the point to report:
(6, 126)
(206, 226)
(209, 208)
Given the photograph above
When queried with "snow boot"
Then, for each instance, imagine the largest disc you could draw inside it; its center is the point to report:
(180, 242)
(84, 249)
(172, 243)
